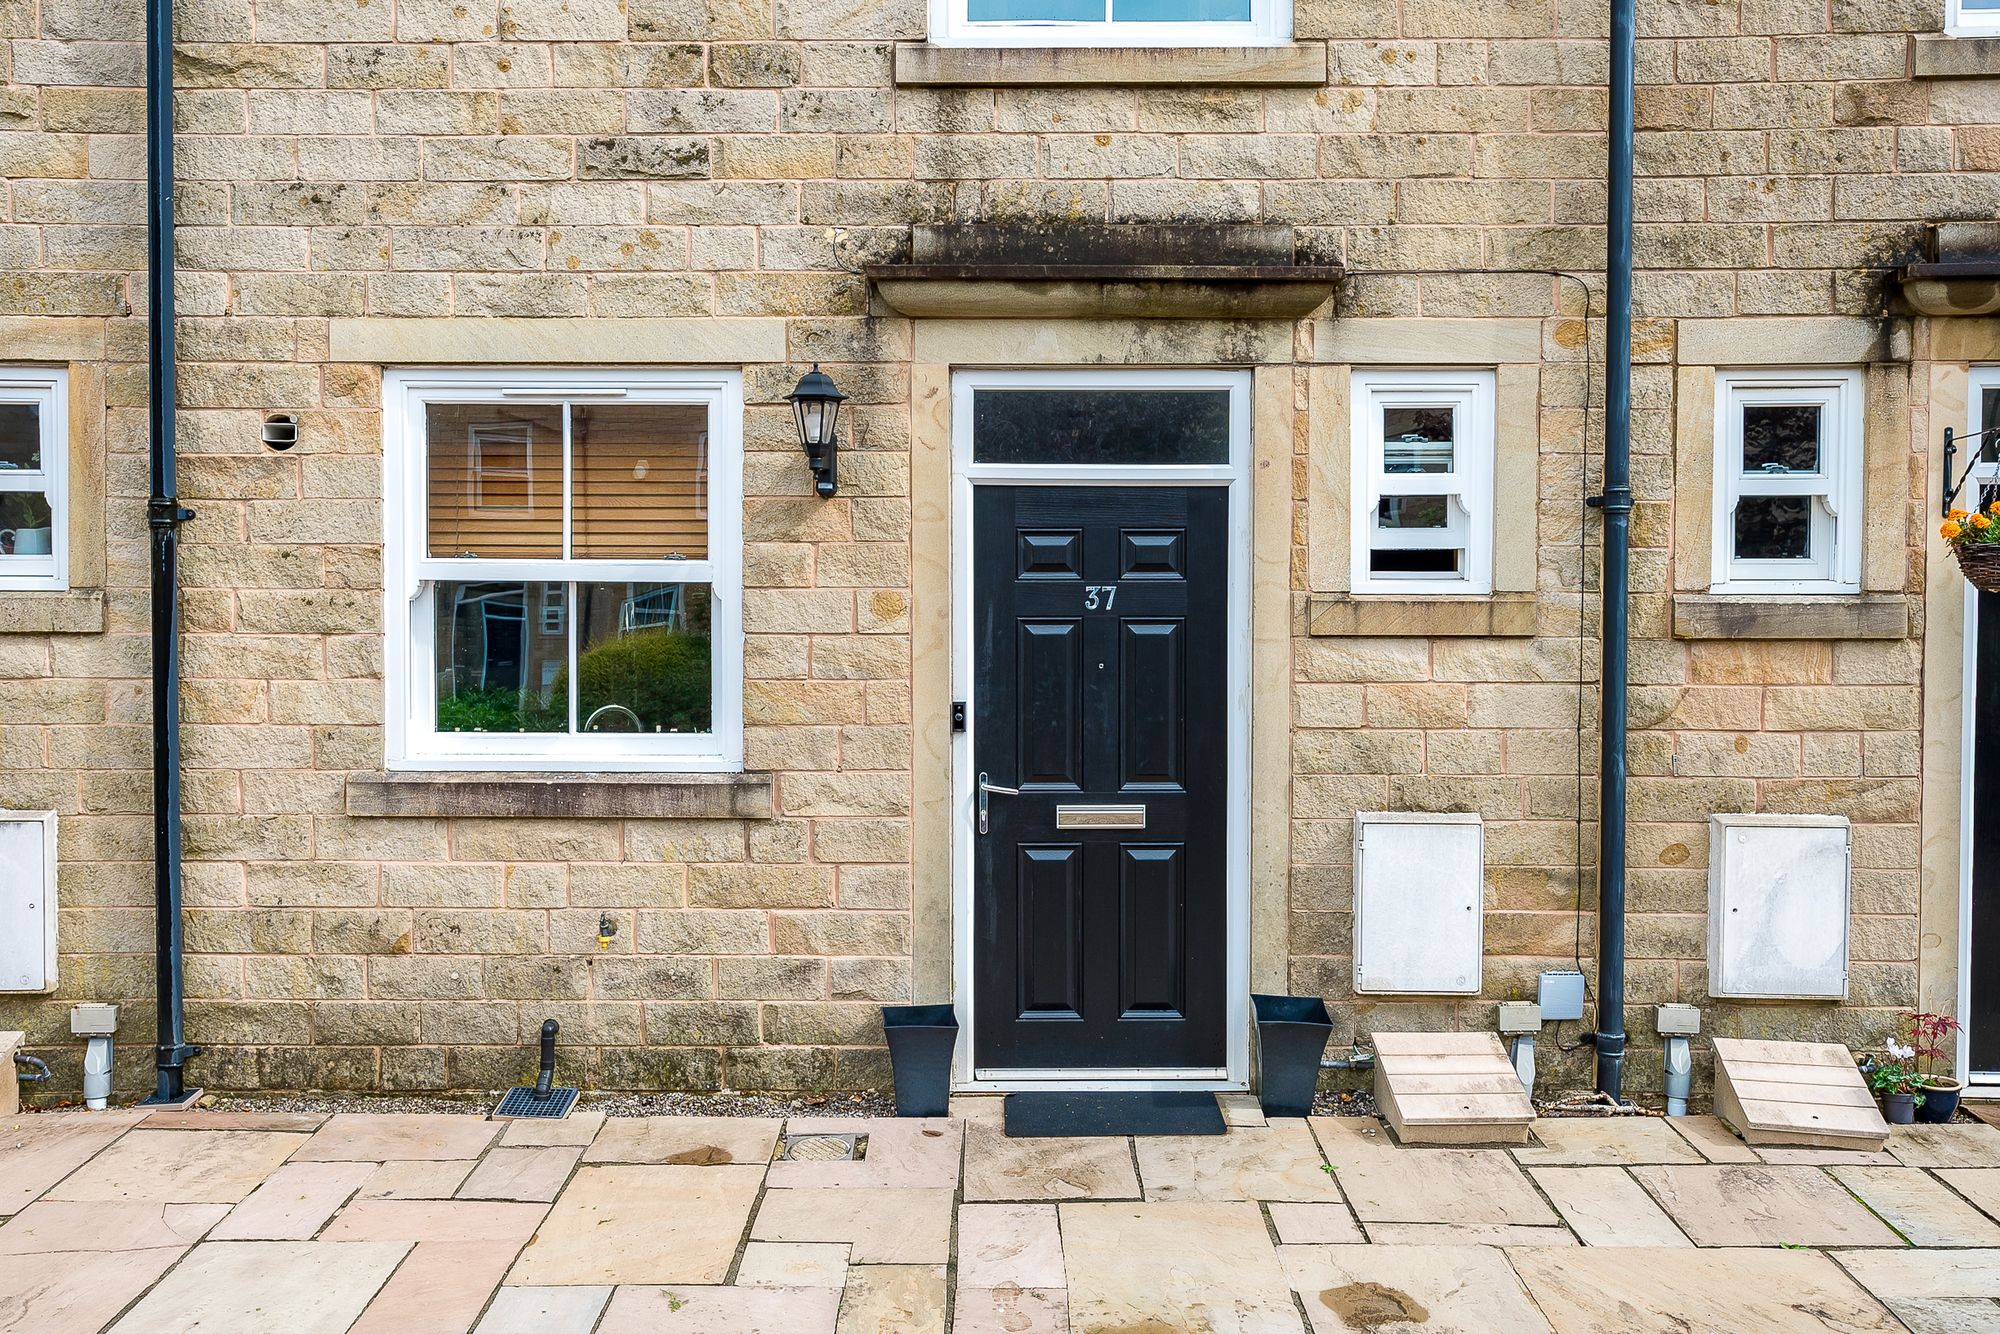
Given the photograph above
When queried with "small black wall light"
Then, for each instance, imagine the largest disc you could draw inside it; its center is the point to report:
(281, 431)
(816, 406)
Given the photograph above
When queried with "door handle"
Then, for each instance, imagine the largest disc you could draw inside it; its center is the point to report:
(986, 789)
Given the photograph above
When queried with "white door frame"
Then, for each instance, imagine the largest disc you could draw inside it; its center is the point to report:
(1982, 378)
(1235, 475)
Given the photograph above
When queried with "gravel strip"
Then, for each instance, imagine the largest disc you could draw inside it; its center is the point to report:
(611, 1104)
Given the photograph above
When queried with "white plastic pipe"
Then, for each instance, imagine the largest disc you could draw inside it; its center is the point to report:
(1523, 1054)
(1680, 1075)
(97, 1073)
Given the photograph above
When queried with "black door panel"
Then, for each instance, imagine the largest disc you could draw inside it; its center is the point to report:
(1101, 643)
(1982, 1023)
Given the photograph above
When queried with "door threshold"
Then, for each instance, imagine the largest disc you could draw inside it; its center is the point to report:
(1078, 1081)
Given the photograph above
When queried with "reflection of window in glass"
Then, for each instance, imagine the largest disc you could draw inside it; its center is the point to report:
(1423, 481)
(1788, 466)
(34, 542)
(1117, 22)
(1100, 426)
(570, 606)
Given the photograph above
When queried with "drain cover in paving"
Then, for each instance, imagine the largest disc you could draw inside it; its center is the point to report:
(822, 1148)
(521, 1104)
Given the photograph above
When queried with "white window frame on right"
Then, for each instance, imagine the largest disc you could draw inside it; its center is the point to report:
(1959, 21)
(1467, 486)
(1834, 563)
(46, 388)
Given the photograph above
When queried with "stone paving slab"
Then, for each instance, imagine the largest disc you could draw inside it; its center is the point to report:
(1387, 1184)
(1174, 1265)
(709, 1310)
(365, 1137)
(196, 1119)
(1616, 1141)
(37, 1151)
(1981, 1185)
(180, 1166)
(1315, 1224)
(688, 1141)
(417, 1179)
(1466, 1234)
(1002, 1169)
(521, 1174)
(67, 1292)
(1010, 1246)
(891, 1225)
(792, 1264)
(644, 1223)
(440, 1288)
(1010, 1311)
(576, 1130)
(1599, 1291)
(436, 1220)
(240, 1287)
(544, 1310)
(1713, 1139)
(1933, 1292)
(1762, 1206)
(1433, 1289)
(1279, 1161)
(919, 1152)
(294, 1202)
(1956, 1144)
(106, 1225)
(1918, 1206)
(1604, 1206)
(893, 1299)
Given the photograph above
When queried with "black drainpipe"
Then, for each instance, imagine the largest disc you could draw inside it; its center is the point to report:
(1615, 577)
(164, 517)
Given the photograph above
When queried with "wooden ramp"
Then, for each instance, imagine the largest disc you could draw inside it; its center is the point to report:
(1450, 1088)
(1806, 1094)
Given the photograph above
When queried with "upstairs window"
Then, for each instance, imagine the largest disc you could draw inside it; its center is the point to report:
(34, 476)
(1111, 22)
(1423, 482)
(1788, 482)
(564, 561)
(1972, 18)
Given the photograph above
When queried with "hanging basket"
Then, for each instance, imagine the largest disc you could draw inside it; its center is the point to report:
(1979, 562)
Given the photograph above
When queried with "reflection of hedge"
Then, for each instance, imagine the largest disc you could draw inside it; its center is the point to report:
(662, 675)
(477, 710)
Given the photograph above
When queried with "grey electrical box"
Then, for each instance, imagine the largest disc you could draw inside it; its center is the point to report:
(1677, 1021)
(1562, 995)
(93, 1019)
(1518, 1017)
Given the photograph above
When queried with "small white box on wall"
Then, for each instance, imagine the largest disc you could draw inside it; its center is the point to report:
(1419, 896)
(1777, 906)
(27, 900)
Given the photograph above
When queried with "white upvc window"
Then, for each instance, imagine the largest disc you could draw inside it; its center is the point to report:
(34, 478)
(1110, 22)
(1787, 482)
(563, 569)
(1423, 482)
(1972, 18)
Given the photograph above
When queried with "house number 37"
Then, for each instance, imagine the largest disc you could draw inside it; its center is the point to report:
(1099, 597)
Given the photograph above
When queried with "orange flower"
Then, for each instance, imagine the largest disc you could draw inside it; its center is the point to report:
(1951, 530)
(1959, 515)
(1980, 522)
(1994, 508)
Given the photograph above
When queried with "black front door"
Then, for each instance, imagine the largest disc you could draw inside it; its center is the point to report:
(1982, 1021)
(1100, 646)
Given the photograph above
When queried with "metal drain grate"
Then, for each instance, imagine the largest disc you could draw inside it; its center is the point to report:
(521, 1104)
(822, 1148)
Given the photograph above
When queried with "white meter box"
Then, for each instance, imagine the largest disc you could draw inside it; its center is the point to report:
(1418, 903)
(1777, 906)
(27, 901)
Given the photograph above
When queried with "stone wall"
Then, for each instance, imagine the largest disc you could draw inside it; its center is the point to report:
(737, 161)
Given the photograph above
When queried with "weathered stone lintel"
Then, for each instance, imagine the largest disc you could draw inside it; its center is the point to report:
(568, 796)
(1504, 615)
(1301, 64)
(1427, 342)
(1830, 340)
(1939, 57)
(1708, 616)
(80, 611)
(545, 342)
(935, 293)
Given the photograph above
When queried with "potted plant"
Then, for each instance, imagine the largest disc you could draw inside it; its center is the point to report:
(1896, 1083)
(1930, 1037)
(1974, 538)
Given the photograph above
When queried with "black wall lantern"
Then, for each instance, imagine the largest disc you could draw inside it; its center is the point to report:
(816, 404)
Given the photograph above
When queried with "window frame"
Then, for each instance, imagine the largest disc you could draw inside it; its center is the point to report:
(1838, 395)
(412, 741)
(48, 388)
(1961, 22)
(1270, 24)
(1470, 393)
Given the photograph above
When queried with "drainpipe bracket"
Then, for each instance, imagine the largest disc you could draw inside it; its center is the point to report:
(164, 513)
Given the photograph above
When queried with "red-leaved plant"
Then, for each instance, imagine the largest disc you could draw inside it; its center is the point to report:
(1930, 1037)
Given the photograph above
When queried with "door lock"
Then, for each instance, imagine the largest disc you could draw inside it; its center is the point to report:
(986, 788)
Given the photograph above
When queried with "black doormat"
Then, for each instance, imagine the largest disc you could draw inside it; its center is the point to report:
(1051, 1115)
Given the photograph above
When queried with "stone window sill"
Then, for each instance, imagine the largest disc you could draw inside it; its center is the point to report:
(79, 611)
(1503, 615)
(691, 796)
(1939, 57)
(1861, 616)
(919, 64)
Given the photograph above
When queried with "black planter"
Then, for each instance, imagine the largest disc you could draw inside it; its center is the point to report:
(1291, 1037)
(921, 1038)
(1939, 1104)
(1899, 1109)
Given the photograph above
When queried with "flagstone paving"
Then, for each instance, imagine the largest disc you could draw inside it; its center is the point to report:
(245, 1223)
